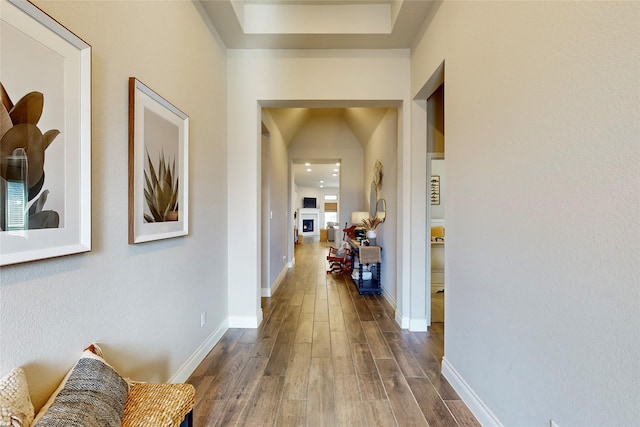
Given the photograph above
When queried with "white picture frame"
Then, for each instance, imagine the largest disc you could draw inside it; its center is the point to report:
(40, 56)
(434, 189)
(158, 151)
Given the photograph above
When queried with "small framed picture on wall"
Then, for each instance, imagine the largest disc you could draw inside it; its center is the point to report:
(434, 189)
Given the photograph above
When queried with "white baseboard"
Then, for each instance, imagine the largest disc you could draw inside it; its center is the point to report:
(401, 320)
(418, 325)
(390, 299)
(414, 325)
(245, 322)
(268, 292)
(292, 262)
(481, 411)
(198, 356)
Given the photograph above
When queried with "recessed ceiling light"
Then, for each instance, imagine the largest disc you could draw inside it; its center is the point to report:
(308, 169)
(336, 170)
(338, 164)
(335, 174)
(321, 182)
(321, 186)
(307, 164)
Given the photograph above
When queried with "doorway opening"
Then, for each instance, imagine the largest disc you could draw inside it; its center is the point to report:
(326, 153)
(436, 177)
(317, 180)
(437, 227)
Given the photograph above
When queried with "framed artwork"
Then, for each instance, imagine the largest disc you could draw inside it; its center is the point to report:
(45, 137)
(434, 192)
(377, 175)
(158, 166)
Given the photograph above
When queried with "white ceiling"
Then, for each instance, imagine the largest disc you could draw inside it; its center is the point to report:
(319, 172)
(319, 24)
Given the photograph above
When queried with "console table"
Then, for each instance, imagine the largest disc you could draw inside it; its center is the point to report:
(371, 256)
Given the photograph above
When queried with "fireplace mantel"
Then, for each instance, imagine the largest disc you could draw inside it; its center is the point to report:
(309, 214)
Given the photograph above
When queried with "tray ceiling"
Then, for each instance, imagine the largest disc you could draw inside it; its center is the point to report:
(319, 24)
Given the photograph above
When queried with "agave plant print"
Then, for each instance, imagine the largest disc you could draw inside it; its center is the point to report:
(161, 190)
(161, 184)
(158, 172)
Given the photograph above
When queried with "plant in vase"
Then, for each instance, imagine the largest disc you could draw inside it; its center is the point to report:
(370, 225)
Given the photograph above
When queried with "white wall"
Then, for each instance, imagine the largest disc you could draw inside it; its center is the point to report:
(319, 194)
(142, 301)
(265, 207)
(313, 192)
(543, 207)
(316, 192)
(257, 77)
(383, 146)
(327, 136)
(279, 202)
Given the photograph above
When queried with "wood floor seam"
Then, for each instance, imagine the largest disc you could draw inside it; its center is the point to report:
(326, 356)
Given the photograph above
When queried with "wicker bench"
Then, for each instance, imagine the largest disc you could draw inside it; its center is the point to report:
(159, 405)
(93, 393)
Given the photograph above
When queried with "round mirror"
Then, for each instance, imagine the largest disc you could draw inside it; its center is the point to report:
(373, 198)
(381, 209)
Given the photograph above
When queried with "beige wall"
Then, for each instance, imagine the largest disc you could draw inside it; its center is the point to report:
(277, 200)
(542, 101)
(383, 146)
(326, 136)
(542, 208)
(144, 301)
(258, 77)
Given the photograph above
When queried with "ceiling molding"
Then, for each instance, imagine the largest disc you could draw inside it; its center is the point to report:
(331, 24)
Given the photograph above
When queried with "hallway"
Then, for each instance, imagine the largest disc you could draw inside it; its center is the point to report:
(326, 356)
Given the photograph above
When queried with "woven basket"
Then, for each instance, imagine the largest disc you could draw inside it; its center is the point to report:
(158, 405)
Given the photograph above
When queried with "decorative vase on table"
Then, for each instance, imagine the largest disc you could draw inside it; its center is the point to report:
(371, 236)
(370, 224)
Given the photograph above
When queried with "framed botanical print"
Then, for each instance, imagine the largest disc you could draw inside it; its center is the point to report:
(45, 136)
(158, 166)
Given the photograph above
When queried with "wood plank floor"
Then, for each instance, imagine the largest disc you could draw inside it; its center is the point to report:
(326, 356)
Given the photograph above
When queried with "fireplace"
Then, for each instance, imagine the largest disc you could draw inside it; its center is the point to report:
(308, 221)
(307, 225)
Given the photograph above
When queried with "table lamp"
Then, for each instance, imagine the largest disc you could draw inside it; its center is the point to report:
(358, 217)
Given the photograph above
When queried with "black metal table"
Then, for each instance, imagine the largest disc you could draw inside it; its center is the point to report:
(366, 255)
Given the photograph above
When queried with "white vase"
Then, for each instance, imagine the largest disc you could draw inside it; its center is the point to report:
(371, 236)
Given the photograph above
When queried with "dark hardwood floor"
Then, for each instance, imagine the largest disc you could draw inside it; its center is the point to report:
(326, 356)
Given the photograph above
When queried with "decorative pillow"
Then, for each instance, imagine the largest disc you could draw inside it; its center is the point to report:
(16, 409)
(92, 394)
